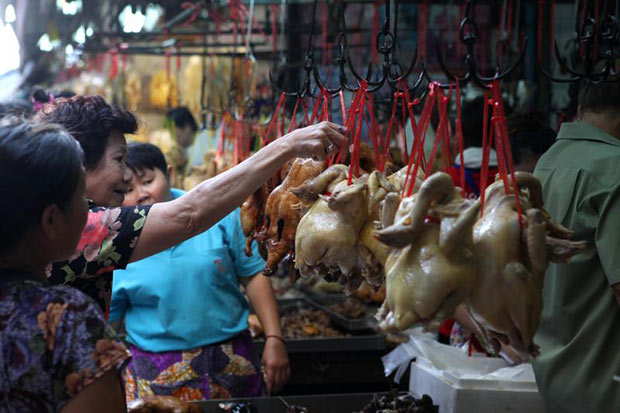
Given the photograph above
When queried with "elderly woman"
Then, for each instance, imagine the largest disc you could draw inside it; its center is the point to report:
(57, 352)
(113, 237)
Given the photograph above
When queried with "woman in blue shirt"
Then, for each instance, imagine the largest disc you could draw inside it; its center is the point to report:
(185, 315)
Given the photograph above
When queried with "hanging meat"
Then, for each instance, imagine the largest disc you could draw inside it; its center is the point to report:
(253, 211)
(432, 265)
(507, 299)
(283, 212)
(327, 236)
(383, 201)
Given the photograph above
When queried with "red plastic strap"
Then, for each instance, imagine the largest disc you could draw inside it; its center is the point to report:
(275, 10)
(316, 107)
(374, 130)
(541, 17)
(422, 130)
(388, 135)
(405, 155)
(459, 131)
(504, 141)
(374, 53)
(596, 31)
(422, 28)
(350, 123)
(267, 138)
(342, 107)
(442, 106)
(293, 124)
(486, 148)
(415, 152)
(168, 58)
(113, 64)
(305, 108)
(324, 33)
(355, 156)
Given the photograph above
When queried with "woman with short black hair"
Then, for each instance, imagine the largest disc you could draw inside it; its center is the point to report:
(57, 353)
(113, 237)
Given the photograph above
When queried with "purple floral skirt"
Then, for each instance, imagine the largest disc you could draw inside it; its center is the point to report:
(217, 371)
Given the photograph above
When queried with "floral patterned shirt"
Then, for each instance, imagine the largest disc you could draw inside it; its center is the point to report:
(107, 242)
(54, 341)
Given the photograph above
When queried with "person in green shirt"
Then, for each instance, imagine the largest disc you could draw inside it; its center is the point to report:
(579, 331)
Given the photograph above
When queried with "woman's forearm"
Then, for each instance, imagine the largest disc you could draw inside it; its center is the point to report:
(260, 293)
(170, 223)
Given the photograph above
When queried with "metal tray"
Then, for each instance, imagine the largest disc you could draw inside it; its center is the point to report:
(366, 321)
(328, 403)
(365, 342)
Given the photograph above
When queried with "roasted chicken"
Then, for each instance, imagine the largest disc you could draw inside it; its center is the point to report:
(506, 303)
(432, 266)
(283, 212)
(327, 236)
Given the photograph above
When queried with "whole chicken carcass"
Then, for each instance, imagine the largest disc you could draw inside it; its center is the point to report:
(283, 212)
(383, 200)
(432, 265)
(506, 303)
(253, 211)
(327, 236)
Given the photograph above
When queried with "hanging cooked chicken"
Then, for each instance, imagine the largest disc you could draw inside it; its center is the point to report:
(507, 300)
(283, 212)
(383, 200)
(327, 235)
(432, 266)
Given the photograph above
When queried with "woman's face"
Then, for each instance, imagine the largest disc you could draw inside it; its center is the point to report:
(107, 183)
(148, 186)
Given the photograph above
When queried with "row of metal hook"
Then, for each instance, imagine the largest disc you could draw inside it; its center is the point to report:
(391, 73)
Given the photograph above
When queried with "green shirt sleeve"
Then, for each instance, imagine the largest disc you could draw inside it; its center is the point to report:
(607, 236)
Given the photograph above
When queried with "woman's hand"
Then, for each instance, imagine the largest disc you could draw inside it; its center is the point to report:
(275, 364)
(315, 141)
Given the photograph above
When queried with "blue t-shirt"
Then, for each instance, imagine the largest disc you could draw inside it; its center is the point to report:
(187, 296)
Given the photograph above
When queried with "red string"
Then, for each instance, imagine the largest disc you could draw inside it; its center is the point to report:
(374, 131)
(486, 147)
(459, 131)
(404, 154)
(168, 63)
(342, 107)
(294, 118)
(374, 53)
(113, 64)
(355, 156)
(416, 138)
(502, 128)
(442, 107)
(324, 34)
(541, 16)
(596, 12)
(267, 137)
(422, 28)
(425, 119)
(316, 106)
(275, 9)
(388, 136)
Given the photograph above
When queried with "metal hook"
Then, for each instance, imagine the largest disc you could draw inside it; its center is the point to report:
(468, 33)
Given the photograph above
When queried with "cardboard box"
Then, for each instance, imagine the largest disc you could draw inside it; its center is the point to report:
(456, 395)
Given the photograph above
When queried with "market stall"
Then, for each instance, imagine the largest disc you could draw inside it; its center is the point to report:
(377, 247)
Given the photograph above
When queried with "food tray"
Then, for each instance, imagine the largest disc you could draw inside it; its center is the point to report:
(366, 342)
(327, 403)
(366, 321)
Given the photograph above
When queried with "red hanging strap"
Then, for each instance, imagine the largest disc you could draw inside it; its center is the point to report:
(459, 131)
(422, 130)
(274, 120)
(388, 135)
(293, 124)
(442, 107)
(502, 130)
(486, 149)
(374, 53)
(354, 168)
